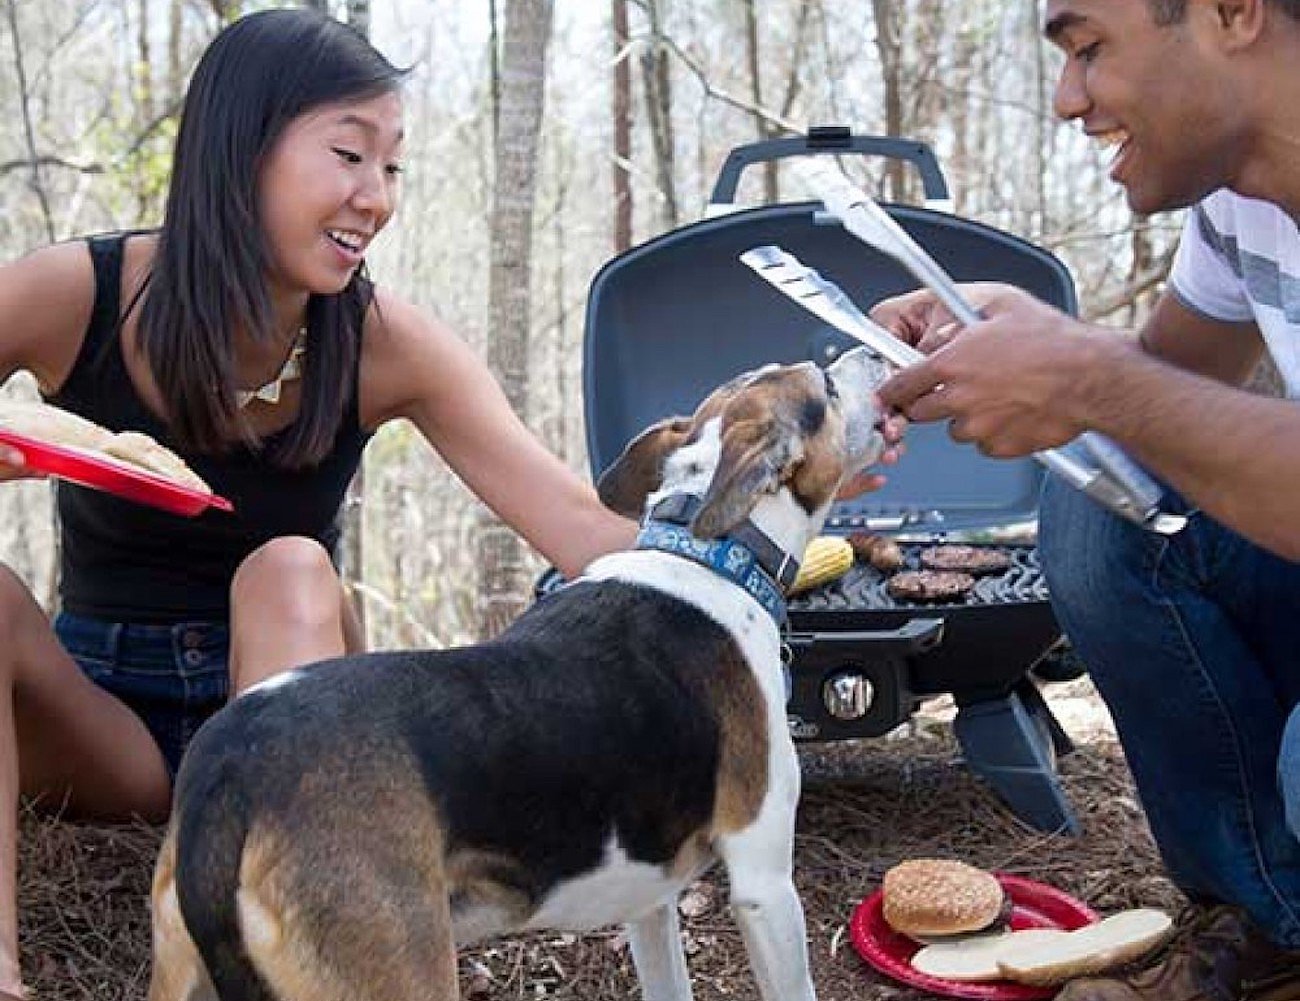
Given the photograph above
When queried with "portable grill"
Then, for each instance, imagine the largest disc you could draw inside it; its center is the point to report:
(671, 319)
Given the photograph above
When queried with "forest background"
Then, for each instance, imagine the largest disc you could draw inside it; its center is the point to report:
(544, 139)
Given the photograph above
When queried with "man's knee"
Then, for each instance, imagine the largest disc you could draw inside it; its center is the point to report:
(292, 578)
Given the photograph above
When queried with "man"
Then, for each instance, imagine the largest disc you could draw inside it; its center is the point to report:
(1194, 640)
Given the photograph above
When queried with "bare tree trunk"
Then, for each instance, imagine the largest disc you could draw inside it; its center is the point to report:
(755, 63)
(354, 508)
(146, 95)
(801, 40)
(1142, 265)
(1043, 130)
(175, 43)
(764, 123)
(29, 131)
(891, 60)
(494, 67)
(226, 10)
(622, 129)
(659, 107)
(502, 592)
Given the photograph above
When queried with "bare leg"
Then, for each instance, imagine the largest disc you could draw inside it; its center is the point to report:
(288, 608)
(64, 740)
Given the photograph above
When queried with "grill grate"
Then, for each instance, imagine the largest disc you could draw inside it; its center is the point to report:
(863, 587)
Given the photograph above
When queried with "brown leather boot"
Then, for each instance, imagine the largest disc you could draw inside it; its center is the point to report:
(1204, 961)
(1269, 973)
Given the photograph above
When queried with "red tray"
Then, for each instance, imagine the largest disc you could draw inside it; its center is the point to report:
(1034, 905)
(113, 477)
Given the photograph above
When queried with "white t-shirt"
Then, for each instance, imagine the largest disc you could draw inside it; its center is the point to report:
(1239, 260)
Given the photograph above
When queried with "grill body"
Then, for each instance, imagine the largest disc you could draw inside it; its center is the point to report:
(977, 648)
(671, 319)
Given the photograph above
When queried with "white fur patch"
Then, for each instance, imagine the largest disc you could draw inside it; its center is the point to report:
(619, 890)
(269, 685)
(689, 470)
(720, 599)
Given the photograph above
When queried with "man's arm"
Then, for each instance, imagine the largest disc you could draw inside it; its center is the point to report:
(1228, 352)
(1030, 378)
(1234, 454)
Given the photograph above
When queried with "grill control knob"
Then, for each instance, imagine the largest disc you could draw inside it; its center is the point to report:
(848, 695)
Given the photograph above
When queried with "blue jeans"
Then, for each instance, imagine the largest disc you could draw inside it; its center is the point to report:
(1194, 643)
(172, 677)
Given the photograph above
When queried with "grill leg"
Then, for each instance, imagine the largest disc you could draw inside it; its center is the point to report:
(1012, 744)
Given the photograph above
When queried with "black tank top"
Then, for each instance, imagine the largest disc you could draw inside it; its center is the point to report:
(129, 563)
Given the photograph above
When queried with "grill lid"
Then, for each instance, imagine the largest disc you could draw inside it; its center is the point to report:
(675, 317)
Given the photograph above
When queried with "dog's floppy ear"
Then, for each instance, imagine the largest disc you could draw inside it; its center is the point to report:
(757, 454)
(639, 471)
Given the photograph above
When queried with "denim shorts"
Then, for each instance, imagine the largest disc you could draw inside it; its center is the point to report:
(173, 677)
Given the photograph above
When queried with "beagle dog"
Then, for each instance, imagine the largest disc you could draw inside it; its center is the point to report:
(338, 831)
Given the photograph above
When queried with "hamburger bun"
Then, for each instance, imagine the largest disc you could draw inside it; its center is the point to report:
(978, 958)
(1087, 951)
(934, 897)
(1046, 957)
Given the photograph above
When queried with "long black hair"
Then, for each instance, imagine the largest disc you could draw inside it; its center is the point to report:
(208, 275)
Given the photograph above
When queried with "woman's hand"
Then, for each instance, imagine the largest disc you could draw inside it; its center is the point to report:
(13, 465)
(892, 429)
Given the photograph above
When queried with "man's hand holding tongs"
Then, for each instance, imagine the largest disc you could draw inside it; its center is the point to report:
(1014, 383)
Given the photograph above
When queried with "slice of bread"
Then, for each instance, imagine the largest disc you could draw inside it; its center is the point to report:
(1096, 948)
(130, 449)
(141, 450)
(49, 424)
(977, 958)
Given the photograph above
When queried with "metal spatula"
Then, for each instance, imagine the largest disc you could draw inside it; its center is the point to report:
(1132, 497)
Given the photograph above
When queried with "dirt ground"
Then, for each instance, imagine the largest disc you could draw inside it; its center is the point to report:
(867, 804)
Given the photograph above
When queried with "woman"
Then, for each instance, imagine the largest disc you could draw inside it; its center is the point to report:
(286, 167)
(245, 336)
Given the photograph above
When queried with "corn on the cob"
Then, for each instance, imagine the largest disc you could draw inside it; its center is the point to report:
(827, 558)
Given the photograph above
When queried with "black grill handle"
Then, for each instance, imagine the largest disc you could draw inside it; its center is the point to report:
(835, 140)
(912, 637)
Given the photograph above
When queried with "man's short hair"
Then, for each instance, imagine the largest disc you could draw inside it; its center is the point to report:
(1173, 11)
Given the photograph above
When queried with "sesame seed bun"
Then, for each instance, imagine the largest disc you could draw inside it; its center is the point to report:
(937, 897)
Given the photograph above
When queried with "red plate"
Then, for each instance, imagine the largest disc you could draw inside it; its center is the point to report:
(113, 477)
(1034, 905)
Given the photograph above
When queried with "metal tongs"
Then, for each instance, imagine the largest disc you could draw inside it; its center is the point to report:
(1091, 462)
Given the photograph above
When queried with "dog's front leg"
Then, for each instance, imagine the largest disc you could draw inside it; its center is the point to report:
(657, 952)
(767, 908)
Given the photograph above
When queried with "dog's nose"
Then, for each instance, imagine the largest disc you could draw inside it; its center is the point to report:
(858, 372)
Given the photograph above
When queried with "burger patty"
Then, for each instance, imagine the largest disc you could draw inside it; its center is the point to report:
(967, 559)
(929, 585)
